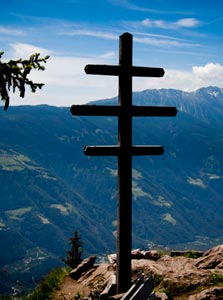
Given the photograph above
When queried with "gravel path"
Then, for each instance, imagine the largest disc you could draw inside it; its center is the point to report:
(70, 288)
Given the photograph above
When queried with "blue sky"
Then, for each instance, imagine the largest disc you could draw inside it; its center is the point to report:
(185, 37)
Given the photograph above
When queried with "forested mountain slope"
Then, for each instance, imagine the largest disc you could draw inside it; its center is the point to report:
(49, 188)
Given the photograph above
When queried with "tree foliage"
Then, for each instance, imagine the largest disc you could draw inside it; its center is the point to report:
(73, 258)
(14, 75)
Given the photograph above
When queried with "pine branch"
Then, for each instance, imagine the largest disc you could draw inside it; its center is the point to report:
(14, 75)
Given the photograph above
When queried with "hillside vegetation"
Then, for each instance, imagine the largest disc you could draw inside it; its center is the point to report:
(48, 187)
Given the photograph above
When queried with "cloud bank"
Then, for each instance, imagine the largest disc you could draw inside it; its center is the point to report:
(66, 82)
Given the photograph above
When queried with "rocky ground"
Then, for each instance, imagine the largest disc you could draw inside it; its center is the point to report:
(175, 277)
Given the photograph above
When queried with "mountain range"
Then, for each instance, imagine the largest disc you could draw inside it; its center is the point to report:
(49, 188)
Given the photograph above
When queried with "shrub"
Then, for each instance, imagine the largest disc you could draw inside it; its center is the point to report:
(47, 286)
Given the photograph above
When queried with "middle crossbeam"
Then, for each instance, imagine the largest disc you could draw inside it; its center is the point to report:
(136, 111)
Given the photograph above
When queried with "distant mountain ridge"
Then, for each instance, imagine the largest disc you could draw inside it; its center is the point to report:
(190, 102)
(48, 187)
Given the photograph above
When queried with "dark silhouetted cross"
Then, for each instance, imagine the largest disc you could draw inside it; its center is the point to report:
(124, 150)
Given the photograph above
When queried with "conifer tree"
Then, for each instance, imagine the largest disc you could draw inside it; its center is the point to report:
(73, 258)
(14, 75)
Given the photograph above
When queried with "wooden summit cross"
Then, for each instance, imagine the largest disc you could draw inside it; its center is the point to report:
(124, 150)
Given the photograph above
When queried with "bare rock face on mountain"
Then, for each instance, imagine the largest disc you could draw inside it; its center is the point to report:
(83, 267)
(179, 277)
(183, 276)
(211, 259)
(214, 293)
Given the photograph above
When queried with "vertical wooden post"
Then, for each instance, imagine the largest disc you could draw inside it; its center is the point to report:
(124, 111)
(124, 166)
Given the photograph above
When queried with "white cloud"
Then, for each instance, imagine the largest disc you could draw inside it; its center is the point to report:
(109, 54)
(210, 74)
(184, 23)
(210, 71)
(92, 33)
(21, 50)
(65, 80)
(11, 31)
(129, 5)
(188, 22)
(163, 42)
(153, 23)
(143, 38)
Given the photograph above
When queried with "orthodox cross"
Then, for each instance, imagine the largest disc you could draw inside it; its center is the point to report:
(124, 150)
